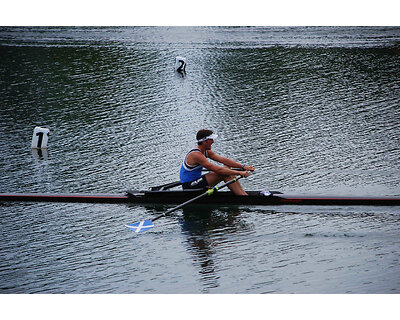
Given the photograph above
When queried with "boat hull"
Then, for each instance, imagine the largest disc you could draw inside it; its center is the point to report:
(219, 198)
(67, 197)
(257, 198)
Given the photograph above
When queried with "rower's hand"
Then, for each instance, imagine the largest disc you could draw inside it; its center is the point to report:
(249, 168)
(245, 174)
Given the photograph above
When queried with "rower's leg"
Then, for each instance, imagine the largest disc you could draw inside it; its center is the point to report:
(236, 187)
(214, 178)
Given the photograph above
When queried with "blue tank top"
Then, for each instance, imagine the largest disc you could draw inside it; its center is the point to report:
(188, 172)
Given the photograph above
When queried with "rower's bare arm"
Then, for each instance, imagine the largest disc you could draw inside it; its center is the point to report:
(202, 160)
(228, 162)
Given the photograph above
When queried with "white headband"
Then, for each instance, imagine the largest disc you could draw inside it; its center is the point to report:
(211, 136)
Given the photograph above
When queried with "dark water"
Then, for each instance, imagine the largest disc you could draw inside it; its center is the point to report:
(315, 110)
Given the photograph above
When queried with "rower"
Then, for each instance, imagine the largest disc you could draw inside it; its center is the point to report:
(196, 159)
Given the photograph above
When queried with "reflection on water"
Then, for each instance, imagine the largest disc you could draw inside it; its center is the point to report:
(40, 154)
(205, 228)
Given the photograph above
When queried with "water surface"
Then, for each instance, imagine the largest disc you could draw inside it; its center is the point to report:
(315, 110)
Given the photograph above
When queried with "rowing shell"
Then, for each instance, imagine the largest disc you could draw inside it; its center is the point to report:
(220, 198)
(258, 198)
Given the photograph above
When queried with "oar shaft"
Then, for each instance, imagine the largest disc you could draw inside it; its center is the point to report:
(185, 203)
(178, 183)
(207, 193)
(180, 206)
(166, 186)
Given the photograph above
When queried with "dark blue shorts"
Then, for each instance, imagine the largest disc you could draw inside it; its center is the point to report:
(200, 183)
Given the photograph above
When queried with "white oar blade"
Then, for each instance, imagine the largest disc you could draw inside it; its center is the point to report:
(140, 226)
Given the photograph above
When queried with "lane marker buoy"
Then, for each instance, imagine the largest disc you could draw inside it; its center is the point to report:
(180, 64)
(40, 138)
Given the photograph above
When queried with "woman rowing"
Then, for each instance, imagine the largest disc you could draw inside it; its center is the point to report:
(196, 159)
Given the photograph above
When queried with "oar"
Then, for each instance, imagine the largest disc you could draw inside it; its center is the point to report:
(166, 186)
(178, 183)
(145, 225)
